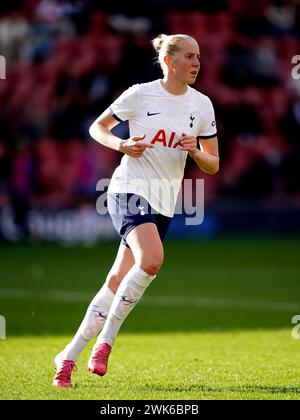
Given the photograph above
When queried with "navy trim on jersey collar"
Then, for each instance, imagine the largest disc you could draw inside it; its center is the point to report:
(114, 115)
(206, 137)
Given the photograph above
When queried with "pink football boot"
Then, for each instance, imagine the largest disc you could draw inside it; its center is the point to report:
(64, 370)
(99, 359)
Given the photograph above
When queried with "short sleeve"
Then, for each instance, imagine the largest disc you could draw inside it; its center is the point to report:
(208, 128)
(125, 106)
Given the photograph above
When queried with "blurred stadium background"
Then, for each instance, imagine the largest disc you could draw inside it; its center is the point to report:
(66, 61)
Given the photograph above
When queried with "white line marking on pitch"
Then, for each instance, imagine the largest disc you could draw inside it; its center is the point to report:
(201, 302)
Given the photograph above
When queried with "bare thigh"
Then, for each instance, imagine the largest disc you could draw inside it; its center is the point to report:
(147, 248)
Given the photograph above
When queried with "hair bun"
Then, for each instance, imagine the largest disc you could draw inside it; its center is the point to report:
(158, 42)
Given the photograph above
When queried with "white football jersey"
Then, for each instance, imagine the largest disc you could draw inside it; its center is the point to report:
(162, 117)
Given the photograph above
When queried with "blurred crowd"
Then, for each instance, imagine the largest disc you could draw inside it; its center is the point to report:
(68, 60)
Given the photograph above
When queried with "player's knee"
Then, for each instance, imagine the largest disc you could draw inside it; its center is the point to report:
(113, 281)
(151, 263)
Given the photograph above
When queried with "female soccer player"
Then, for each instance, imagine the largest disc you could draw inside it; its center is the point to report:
(166, 117)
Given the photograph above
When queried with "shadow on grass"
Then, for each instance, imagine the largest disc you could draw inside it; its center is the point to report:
(180, 392)
(242, 389)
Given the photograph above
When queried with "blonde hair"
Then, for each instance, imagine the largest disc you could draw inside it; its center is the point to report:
(168, 45)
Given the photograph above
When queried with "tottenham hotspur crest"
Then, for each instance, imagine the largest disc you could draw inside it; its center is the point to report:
(192, 120)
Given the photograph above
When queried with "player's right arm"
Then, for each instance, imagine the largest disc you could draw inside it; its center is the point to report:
(100, 131)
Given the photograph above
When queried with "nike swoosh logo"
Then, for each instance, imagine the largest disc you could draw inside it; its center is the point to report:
(128, 301)
(152, 113)
(100, 314)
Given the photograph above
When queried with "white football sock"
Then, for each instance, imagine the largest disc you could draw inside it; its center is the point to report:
(91, 325)
(128, 295)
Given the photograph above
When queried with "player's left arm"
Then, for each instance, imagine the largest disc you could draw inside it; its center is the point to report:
(207, 158)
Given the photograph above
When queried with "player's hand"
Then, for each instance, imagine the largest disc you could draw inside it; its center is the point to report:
(133, 146)
(188, 143)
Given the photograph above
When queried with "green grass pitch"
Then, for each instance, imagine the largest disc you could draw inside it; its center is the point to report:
(215, 324)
